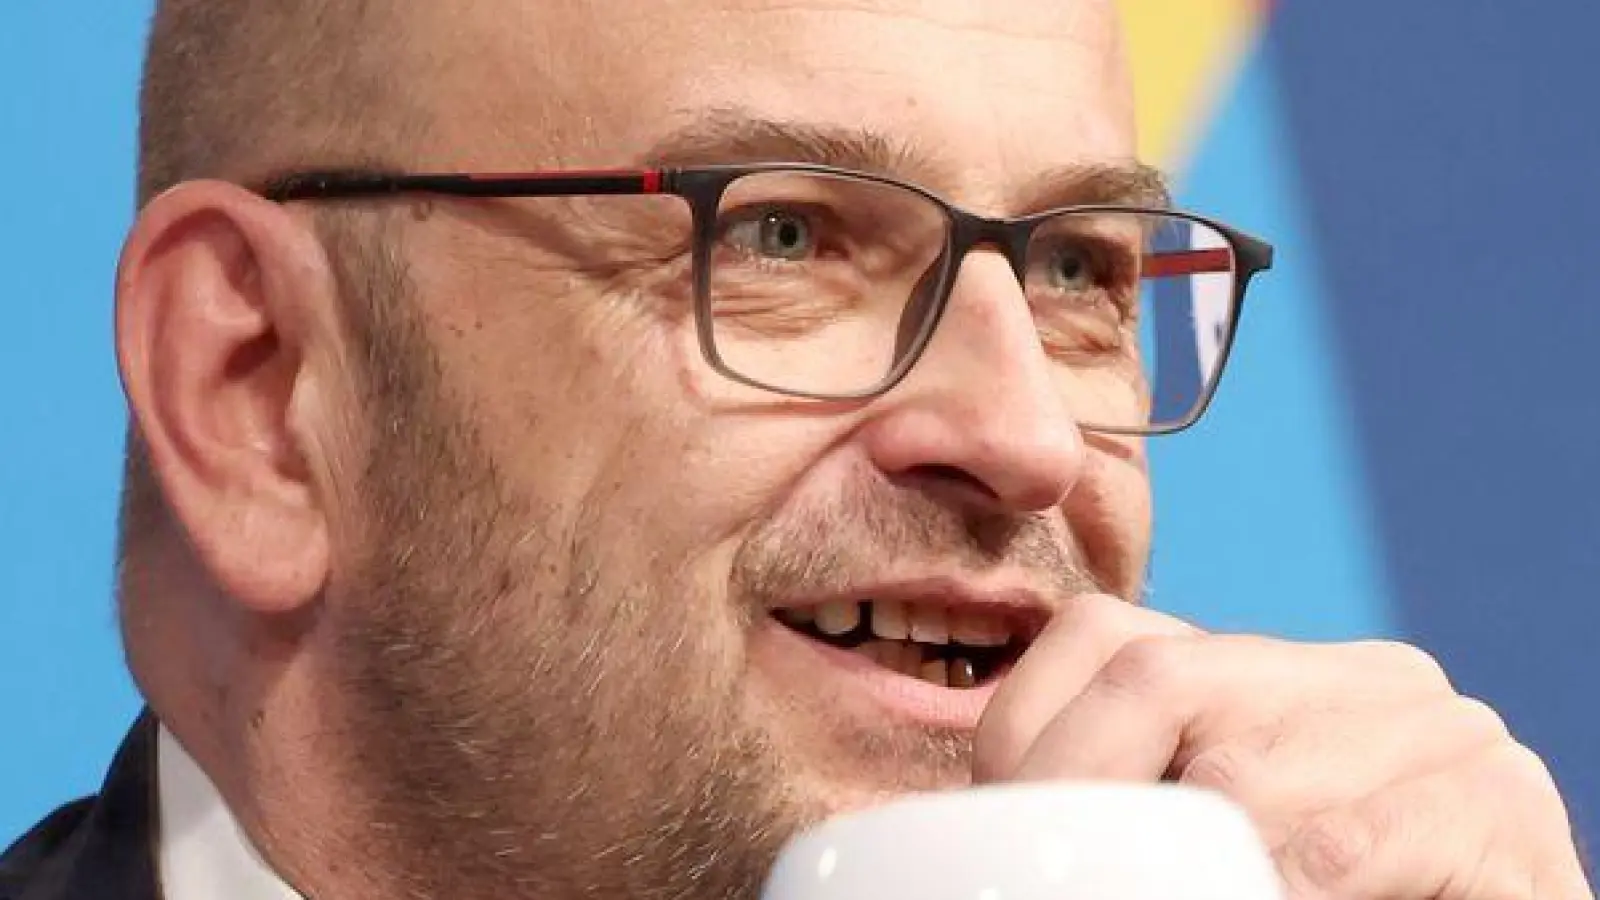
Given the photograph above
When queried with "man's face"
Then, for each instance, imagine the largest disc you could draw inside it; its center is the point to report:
(557, 607)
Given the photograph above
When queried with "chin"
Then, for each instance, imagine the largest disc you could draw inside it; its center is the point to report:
(819, 799)
(830, 773)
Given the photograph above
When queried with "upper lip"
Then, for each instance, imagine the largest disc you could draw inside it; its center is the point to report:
(1026, 609)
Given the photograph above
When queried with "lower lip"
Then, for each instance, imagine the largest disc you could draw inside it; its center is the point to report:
(830, 670)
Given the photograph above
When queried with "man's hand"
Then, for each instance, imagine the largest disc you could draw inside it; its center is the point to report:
(1367, 774)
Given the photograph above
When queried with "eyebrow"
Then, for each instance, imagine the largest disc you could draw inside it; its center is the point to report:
(731, 135)
(1098, 184)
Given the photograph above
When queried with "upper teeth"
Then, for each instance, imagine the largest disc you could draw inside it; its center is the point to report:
(929, 626)
(979, 630)
(896, 621)
(891, 620)
(838, 618)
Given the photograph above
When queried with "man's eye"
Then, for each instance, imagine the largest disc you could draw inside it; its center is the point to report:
(1070, 269)
(774, 234)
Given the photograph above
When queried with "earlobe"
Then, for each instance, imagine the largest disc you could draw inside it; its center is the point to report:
(222, 300)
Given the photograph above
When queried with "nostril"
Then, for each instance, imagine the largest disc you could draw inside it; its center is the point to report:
(942, 478)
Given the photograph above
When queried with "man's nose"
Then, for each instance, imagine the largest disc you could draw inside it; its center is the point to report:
(981, 417)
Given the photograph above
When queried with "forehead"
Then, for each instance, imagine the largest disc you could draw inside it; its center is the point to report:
(1000, 88)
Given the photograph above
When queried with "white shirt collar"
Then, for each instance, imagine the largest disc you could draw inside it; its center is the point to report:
(204, 854)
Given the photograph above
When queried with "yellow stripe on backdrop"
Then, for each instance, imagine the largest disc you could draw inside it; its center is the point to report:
(1186, 54)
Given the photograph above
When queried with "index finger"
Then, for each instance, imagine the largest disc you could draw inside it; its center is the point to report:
(1079, 640)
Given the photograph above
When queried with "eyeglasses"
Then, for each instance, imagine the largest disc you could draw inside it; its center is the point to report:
(827, 284)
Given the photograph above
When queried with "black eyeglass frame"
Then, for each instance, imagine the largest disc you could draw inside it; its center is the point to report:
(703, 188)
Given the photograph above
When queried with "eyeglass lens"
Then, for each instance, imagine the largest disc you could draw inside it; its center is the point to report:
(818, 284)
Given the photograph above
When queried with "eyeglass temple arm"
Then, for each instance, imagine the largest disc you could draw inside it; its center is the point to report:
(1187, 262)
(357, 183)
(571, 182)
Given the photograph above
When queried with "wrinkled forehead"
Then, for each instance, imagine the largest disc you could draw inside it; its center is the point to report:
(994, 91)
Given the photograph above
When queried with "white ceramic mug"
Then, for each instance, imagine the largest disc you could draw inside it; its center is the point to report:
(1032, 842)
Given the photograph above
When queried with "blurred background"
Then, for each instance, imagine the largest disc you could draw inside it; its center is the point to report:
(1405, 444)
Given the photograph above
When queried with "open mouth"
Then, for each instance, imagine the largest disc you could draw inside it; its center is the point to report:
(948, 647)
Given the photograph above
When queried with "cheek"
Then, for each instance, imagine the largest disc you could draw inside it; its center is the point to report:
(563, 377)
(1109, 512)
(654, 462)
(701, 484)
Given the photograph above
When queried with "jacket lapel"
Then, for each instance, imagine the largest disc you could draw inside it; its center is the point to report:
(106, 848)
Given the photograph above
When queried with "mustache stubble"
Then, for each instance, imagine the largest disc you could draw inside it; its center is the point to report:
(824, 549)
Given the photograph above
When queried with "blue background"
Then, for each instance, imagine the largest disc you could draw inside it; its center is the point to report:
(1404, 445)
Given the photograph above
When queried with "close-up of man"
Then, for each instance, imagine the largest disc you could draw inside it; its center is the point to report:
(575, 449)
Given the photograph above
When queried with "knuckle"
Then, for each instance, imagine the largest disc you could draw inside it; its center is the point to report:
(1478, 720)
(1143, 666)
(1328, 852)
(1230, 770)
(1409, 661)
(1521, 769)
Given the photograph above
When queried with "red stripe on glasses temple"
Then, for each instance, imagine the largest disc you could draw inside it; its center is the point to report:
(1187, 262)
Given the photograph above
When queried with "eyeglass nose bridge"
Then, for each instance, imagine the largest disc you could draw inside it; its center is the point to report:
(931, 296)
(969, 231)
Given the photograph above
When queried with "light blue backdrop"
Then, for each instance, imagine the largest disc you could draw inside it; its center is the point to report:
(68, 79)
(1268, 518)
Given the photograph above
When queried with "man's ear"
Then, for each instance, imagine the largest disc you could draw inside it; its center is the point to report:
(224, 300)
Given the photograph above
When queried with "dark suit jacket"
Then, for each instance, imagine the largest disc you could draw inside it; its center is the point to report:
(100, 848)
